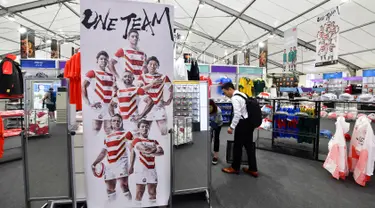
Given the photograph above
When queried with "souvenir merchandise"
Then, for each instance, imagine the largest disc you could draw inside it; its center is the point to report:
(246, 86)
(264, 95)
(72, 72)
(38, 124)
(259, 86)
(209, 82)
(266, 109)
(186, 100)
(180, 72)
(346, 97)
(368, 85)
(336, 162)
(11, 80)
(366, 98)
(361, 152)
(193, 74)
(183, 131)
(222, 80)
(266, 124)
(328, 97)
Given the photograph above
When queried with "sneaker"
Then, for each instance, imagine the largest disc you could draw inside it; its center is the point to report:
(214, 161)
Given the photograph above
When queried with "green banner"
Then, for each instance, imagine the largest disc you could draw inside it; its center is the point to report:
(250, 70)
(203, 68)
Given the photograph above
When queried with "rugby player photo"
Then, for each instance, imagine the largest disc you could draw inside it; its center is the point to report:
(142, 163)
(97, 89)
(117, 168)
(156, 91)
(133, 58)
(127, 99)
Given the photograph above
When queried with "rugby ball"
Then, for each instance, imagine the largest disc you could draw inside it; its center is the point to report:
(99, 170)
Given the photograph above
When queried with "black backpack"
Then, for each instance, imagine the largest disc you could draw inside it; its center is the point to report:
(11, 84)
(254, 118)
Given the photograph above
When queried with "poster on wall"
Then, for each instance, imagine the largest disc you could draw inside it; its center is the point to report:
(263, 54)
(23, 45)
(31, 43)
(235, 60)
(126, 56)
(247, 57)
(327, 37)
(55, 49)
(290, 50)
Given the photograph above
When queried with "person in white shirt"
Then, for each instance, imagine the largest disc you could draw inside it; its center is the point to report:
(243, 133)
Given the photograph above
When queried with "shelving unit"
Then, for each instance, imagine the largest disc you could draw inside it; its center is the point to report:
(12, 117)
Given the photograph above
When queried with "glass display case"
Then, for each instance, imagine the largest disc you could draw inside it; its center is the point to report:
(183, 132)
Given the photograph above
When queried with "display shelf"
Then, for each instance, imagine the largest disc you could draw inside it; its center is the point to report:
(183, 132)
(186, 101)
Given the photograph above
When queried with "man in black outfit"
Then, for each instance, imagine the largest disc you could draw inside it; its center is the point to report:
(243, 133)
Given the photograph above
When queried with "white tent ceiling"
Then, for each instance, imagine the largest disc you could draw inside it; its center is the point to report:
(219, 29)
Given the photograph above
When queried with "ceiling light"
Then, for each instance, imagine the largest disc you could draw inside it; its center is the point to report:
(22, 30)
(49, 41)
(226, 53)
(261, 44)
(189, 31)
(271, 35)
(11, 17)
(182, 37)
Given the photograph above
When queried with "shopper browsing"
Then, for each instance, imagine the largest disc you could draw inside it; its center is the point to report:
(50, 100)
(243, 131)
(216, 121)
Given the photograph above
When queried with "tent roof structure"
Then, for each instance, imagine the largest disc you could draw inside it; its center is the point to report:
(214, 30)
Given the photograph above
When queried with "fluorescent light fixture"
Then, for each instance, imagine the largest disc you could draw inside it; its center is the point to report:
(261, 44)
(22, 30)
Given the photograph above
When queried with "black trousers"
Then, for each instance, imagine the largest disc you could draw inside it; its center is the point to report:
(243, 137)
(215, 135)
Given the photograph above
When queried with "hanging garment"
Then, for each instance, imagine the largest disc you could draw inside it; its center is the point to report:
(73, 73)
(180, 72)
(11, 80)
(259, 86)
(336, 162)
(361, 153)
(246, 86)
(209, 81)
(193, 74)
(1, 137)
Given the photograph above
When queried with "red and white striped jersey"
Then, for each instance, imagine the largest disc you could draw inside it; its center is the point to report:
(156, 91)
(134, 60)
(148, 161)
(103, 85)
(115, 144)
(128, 99)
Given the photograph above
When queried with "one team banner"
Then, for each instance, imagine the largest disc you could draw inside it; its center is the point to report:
(327, 41)
(31, 43)
(290, 50)
(263, 54)
(126, 56)
(247, 57)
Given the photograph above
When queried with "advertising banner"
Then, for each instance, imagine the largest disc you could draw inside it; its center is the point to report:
(247, 57)
(290, 50)
(235, 60)
(327, 38)
(263, 54)
(126, 56)
(23, 45)
(31, 43)
(55, 49)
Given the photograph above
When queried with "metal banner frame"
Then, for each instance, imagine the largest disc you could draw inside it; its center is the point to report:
(25, 138)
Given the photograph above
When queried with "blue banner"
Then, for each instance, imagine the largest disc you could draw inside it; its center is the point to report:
(38, 63)
(288, 89)
(335, 75)
(368, 73)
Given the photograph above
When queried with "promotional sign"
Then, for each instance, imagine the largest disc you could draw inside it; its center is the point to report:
(27, 44)
(247, 57)
(38, 63)
(327, 41)
(126, 56)
(290, 50)
(334, 75)
(55, 51)
(263, 54)
(235, 60)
